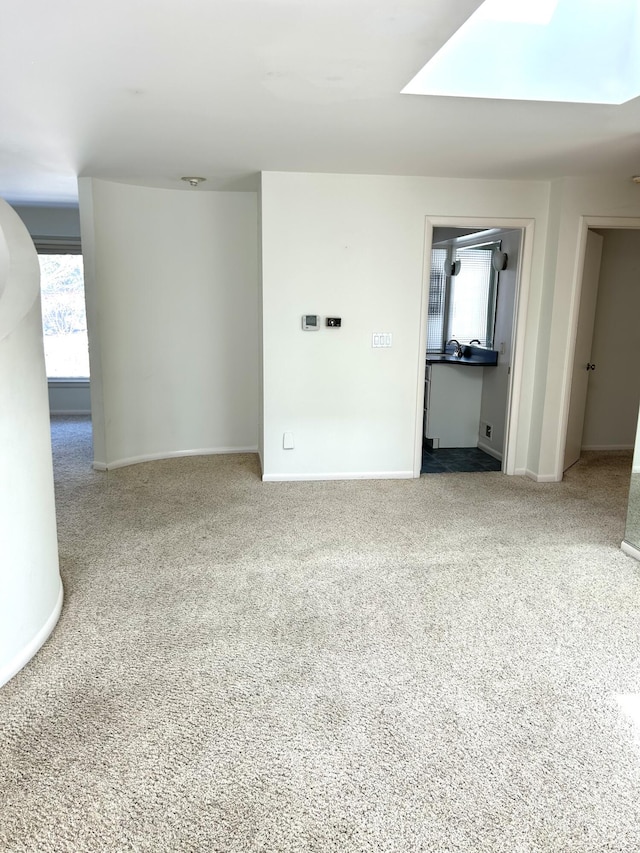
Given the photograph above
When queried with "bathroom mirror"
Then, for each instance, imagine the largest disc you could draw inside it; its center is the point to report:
(463, 289)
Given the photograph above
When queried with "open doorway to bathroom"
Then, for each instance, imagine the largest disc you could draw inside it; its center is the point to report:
(472, 294)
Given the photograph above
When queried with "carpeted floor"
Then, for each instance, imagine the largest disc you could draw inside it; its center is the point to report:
(442, 664)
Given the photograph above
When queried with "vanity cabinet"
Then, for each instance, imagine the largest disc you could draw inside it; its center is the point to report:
(453, 395)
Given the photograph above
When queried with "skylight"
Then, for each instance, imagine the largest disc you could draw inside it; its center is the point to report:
(580, 51)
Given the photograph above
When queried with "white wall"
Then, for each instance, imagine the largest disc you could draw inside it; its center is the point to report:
(614, 386)
(353, 246)
(30, 586)
(172, 305)
(69, 397)
(260, 338)
(495, 385)
(56, 221)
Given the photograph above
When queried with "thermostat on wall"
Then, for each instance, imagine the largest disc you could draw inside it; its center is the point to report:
(310, 322)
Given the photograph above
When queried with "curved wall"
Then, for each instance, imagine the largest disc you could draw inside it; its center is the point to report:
(171, 283)
(30, 585)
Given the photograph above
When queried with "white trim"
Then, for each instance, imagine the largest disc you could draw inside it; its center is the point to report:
(169, 454)
(527, 227)
(520, 472)
(35, 644)
(630, 549)
(70, 412)
(350, 475)
(607, 447)
(585, 223)
(68, 382)
(490, 450)
(542, 478)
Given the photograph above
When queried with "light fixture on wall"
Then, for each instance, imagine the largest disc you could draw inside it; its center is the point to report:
(499, 260)
(451, 267)
(635, 179)
(192, 181)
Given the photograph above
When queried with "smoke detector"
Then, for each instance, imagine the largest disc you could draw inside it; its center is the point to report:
(193, 181)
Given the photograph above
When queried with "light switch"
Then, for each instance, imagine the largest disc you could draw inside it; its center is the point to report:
(381, 339)
(287, 441)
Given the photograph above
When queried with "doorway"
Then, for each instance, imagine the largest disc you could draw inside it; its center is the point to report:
(605, 386)
(497, 397)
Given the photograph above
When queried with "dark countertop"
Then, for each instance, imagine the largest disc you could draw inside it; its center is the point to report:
(473, 356)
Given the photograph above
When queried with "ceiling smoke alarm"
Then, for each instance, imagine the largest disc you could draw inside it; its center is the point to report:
(193, 181)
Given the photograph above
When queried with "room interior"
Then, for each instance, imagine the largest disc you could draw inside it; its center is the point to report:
(322, 186)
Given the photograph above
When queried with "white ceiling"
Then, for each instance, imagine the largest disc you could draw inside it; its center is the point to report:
(149, 90)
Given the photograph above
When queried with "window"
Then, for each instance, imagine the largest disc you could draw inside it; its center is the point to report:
(462, 306)
(64, 321)
(554, 50)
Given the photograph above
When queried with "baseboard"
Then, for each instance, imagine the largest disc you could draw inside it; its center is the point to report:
(347, 475)
(542, 478)
(490, 450)
(630, 549)
(172, 454)
(607, 447)
(70, 412)
(33, 646)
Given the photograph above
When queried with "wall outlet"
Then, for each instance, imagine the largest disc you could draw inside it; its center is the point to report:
(488, 430)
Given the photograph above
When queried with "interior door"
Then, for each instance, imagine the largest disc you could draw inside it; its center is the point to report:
(582, 358)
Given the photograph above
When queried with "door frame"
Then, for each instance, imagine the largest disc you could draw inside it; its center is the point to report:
(586, 222)
(521, 304)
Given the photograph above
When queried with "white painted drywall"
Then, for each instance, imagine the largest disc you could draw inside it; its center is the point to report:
(30, 586)
(171, 283)
(495, 387)
(69, 397)
(260, 337)
(614, 386)
(353, 246)
(636, 451)
(54, 221)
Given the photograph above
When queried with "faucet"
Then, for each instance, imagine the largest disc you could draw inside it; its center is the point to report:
(475, 341)
(458, 350)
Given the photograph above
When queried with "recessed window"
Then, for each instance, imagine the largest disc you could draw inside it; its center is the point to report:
(64, 319)
(540, 50)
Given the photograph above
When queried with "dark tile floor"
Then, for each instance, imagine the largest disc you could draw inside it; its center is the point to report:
(457, 460)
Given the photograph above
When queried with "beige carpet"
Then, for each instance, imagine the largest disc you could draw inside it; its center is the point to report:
(429, 665)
